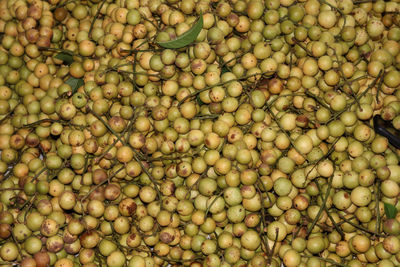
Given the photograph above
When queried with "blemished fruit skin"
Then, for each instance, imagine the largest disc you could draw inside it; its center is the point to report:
(199, 133)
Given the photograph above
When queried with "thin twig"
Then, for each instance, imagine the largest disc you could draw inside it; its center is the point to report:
(360, 227)
(326, 260)
(218, 84)
(95, 17)
(318, 99)
(378, 212)
(102, 182)
(12, 188)
(328, 190)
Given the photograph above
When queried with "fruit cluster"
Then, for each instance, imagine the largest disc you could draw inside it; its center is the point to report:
(199, 133)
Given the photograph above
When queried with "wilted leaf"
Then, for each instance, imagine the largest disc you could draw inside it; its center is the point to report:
(390, 211)
(75, 83)
(65, 57)
(186, 38)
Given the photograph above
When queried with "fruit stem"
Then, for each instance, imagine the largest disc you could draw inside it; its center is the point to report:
(152, 22)
(333, 222)
(51, 120)
(326, 260)
(360, 227)
(359, 78)
(333, 7)
(62, 4)
(13, 263)
(315, 163)
(12, 188)
(351, 94)
(370, 86)
(218, 84)
(379, 87)
(58, 50)
(331, 218)
(127, 129)
(378, 213)
(151, 252)
(6, 116)
(101, 183)
(149, 175)
(364, 1)
(205, 117)
(264, 222)
(17, 244)
(275, 98)
(322, 206)
(106, 124)
(283, 130)
(85, 167)
(39, 173)
(95, 18)
(318, 99)
(212, 203)
(275, 242)
(97, 256)
(139, 73)
(303, 47)
(181, 156)
(31, 201)
(230, 60)
(204, 173)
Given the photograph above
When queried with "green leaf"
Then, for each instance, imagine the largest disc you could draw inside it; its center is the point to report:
(198, 100)
(390, 211)
(75, 83)
(224, 69)
(186, 38)
(66, 57)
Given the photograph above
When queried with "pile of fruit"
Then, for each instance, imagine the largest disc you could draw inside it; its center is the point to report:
(212, 133)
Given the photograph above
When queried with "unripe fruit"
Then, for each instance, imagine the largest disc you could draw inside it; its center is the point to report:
(361, 196)
(276, 231)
